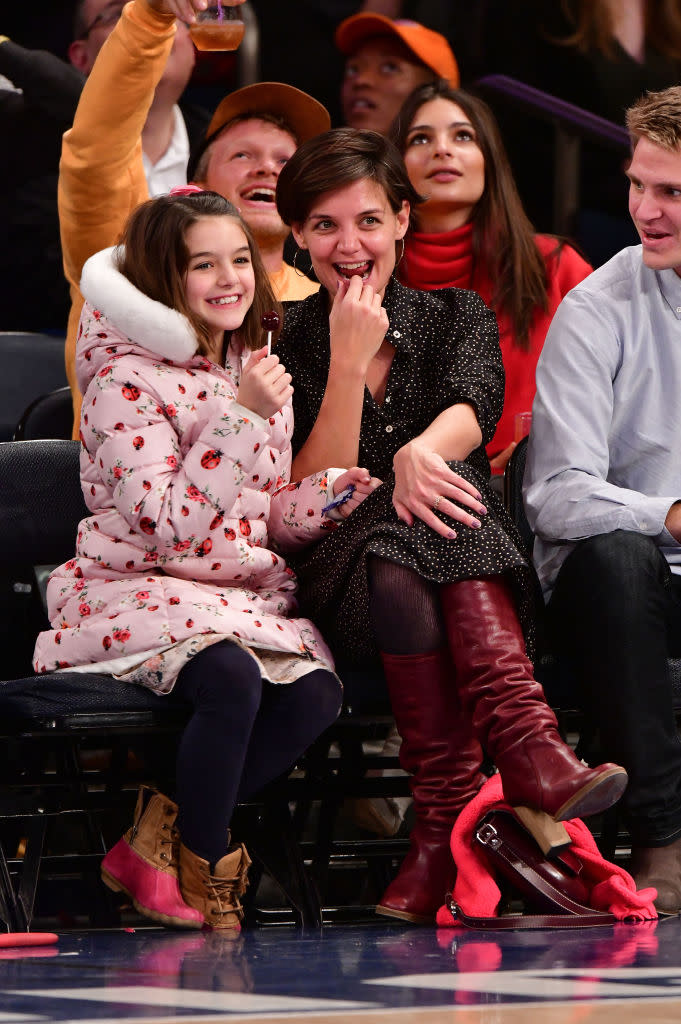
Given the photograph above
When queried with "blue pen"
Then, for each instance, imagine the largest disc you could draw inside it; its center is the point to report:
(340, 499)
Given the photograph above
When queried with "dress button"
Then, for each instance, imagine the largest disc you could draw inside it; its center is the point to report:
(678, 309)
(389, 429)
(397, 334)
(387, 399)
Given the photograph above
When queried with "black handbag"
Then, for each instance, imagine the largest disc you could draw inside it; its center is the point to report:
(552, 890)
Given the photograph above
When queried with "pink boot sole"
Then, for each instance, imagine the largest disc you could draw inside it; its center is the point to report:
(154, 893)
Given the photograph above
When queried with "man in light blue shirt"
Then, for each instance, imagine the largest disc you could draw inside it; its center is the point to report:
(603, 493)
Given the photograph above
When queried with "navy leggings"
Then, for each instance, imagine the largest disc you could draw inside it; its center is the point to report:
(243, 733)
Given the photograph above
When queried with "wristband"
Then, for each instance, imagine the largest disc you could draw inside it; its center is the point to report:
(340, 499)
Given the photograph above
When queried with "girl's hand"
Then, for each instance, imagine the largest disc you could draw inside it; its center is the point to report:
(265, 385)
(364, 484)
(424, 481)
(183, 9)
(358, 323)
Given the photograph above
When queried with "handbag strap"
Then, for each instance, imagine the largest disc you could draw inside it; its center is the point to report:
(488, 835)
(524, 922)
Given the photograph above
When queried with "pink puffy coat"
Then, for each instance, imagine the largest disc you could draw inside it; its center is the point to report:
(189, 493)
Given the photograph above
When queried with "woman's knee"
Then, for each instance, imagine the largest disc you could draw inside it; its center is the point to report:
(405, 608)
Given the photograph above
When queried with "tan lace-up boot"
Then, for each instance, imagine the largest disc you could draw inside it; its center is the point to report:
(218, 896)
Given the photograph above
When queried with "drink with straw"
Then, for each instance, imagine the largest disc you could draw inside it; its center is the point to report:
(219, 27)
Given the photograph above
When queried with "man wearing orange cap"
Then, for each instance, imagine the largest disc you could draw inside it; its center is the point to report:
(252, 134)
(386, 61)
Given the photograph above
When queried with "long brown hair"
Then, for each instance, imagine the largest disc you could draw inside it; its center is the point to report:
(155, 259)
(504, 248)
(594, 27)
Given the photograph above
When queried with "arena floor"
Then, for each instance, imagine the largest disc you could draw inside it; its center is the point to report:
(364, 974)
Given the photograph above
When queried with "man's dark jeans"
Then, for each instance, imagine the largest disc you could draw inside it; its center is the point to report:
(615, 616)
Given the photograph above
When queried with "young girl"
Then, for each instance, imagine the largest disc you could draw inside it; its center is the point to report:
(185, 460)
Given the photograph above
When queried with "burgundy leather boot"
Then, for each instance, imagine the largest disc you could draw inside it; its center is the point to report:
(444, 758)
(511, 718)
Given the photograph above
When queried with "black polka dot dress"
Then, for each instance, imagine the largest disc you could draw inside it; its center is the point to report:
(446, 351)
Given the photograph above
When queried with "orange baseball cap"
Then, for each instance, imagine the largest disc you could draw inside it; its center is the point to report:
(305, 115)
(430, 47)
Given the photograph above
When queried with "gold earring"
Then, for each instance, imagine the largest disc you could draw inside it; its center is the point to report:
(298, 272)
(399, 258)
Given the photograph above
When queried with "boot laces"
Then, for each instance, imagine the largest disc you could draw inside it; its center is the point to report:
(172, 839)
(226, 892)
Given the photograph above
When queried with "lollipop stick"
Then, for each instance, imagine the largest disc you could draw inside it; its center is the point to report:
(269, 343)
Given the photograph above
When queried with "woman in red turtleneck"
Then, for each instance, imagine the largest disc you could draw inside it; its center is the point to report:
(472, 232)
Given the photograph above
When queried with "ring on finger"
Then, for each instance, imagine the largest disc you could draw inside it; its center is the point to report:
(436, 503)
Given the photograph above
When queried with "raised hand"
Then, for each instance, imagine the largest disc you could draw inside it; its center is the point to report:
(185, 10)
(265, 385)
(358, 323)
(424, 484)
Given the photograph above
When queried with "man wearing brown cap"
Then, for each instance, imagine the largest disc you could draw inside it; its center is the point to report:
(254, 131)
(386, 61)
(252, 134)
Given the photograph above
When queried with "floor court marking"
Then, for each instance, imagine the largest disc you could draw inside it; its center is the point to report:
(194, 999)
(629, 1012)
(554, 983)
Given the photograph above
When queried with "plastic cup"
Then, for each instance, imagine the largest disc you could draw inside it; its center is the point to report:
(522, 421)
(219, 27)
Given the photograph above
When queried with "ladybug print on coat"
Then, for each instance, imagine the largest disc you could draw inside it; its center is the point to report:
(130, 391)
(182, 545)
(211, 459)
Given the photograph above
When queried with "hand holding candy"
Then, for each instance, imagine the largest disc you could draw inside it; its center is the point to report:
(270, 323)
(265, 386)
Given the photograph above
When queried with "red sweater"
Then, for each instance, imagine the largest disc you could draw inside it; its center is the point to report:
(446, 260)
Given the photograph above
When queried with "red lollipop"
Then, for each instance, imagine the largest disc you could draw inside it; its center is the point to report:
(270, 323)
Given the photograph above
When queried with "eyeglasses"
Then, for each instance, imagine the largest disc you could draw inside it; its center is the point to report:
(106, 18)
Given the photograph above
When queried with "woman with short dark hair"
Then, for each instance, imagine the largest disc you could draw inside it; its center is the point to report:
(428, 573)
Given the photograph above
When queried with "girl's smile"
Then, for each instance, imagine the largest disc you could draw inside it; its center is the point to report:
(220, 283)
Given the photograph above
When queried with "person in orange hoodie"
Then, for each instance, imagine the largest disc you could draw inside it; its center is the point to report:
(101, 171)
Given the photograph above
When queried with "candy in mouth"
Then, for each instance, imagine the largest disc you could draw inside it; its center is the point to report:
(349, 270)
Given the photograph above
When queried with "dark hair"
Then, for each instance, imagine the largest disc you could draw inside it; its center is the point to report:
(504, 248)
(155, 259)
(338, 158)
(79, 23)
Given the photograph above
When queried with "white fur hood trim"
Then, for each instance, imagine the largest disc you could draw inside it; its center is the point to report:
(164, 331)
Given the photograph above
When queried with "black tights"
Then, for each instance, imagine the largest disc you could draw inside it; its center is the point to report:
(405, 609)
(243, 733)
